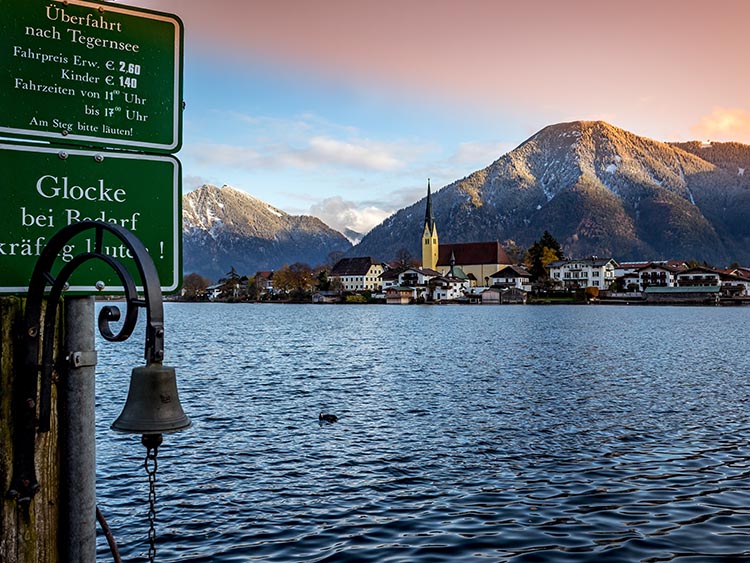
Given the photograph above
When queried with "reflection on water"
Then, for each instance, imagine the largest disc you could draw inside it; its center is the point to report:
(491, 433)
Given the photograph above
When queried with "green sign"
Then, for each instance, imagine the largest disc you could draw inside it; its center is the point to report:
(45, 189)
(89, 73)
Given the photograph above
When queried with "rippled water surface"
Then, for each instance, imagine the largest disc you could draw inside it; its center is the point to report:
(516, 434)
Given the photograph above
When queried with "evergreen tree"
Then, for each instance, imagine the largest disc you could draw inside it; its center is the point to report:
(231, 284)
(540, 254)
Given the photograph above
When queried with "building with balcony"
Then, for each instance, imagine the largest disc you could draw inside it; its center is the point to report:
(587, 272)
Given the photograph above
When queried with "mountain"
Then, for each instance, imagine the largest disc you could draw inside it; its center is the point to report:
(352, 235)
(224, 227)
(599, 190)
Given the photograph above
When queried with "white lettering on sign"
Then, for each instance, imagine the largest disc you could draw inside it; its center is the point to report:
(50, 187)
(74, 216)
(36, 220)
(76, 36)
(55, 13)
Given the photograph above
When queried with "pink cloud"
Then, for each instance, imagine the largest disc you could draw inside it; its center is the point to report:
(655, 65)
(724, 125)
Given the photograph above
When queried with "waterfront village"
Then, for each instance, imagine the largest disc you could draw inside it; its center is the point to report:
(483, 273)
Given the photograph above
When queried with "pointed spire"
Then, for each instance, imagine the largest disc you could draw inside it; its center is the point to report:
(429, 219)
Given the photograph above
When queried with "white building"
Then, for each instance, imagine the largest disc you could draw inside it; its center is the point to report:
(698, 277)
(417, 276)
(358, 274)
(655, 274)
(517, 277)
(450, 288)
(588, 272)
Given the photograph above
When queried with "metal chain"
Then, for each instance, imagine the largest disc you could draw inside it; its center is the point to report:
(151, 465)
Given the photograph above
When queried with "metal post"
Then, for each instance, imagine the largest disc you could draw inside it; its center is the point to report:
(78, 434)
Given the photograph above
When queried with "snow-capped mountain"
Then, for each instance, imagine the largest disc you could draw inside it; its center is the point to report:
(225, 227)
(599, 190)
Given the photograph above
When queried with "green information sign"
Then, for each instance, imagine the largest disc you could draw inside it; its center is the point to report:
(90, 73)
(45, 189)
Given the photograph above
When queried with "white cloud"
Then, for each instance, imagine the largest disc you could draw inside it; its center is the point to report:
(340, 214)
(318, 152)
(365, 155)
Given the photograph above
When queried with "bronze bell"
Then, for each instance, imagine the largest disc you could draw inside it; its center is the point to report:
(152, 406)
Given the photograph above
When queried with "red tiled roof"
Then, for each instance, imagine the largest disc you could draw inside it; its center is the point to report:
(469, 253)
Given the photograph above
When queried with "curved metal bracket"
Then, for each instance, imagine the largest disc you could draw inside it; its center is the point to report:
(36, 378)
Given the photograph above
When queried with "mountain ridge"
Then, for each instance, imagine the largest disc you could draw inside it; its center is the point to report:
(600, 190)
(224, 227)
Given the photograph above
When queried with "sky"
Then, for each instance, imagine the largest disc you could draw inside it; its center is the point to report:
(343, 109)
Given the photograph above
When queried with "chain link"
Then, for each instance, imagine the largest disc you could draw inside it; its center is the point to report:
(150, 463)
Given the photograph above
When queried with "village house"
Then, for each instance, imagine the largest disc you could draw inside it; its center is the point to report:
(389, 278)
(656, 274)
(417, 276)
(626, 273)
(416, 283)
(735, 281)
(732, 282)
(264, 281)
(399, 295)
(504, 296)
(582, 273)
(512, 276)
(358, 274)
(326, 297)
(419, 280)
(449, 288)
(452, 285)
(699, 276)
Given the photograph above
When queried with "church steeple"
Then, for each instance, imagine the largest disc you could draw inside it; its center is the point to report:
(429, 235)
(429, 218)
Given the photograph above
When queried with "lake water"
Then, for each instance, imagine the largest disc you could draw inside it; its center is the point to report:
(487, 433)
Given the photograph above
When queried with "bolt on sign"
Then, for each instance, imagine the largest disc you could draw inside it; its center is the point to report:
(91, 74)
(46, 188)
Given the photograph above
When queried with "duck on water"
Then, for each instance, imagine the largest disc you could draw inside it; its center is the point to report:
(327, 418)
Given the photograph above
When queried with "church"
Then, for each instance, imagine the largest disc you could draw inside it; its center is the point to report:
(478, 260)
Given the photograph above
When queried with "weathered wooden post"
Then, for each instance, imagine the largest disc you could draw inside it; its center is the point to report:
(27, 535)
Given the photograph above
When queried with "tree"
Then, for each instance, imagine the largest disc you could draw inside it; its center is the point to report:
(254, 288)
(591, 293)
(540, 254)
(405, 259)
(295, 280)
(514, 252)
(231, 283)
(322, 281)
(194, 285)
